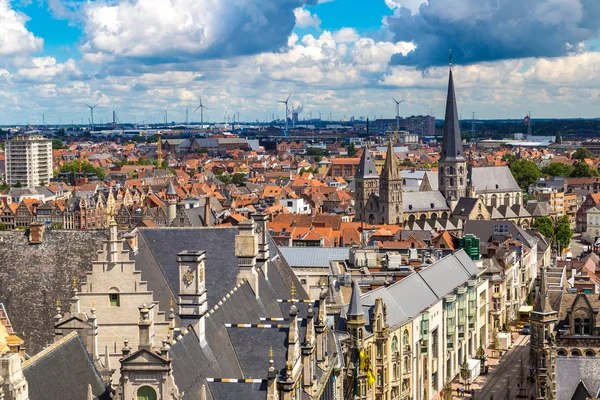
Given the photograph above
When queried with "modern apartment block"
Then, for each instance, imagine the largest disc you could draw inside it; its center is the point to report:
(29, 161)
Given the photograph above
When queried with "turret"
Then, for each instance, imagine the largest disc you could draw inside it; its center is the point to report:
(192, 299)
(355, 317)
(171, 203)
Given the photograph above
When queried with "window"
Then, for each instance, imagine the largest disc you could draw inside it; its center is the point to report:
(394, 344)
(114, 300)
(146, 393)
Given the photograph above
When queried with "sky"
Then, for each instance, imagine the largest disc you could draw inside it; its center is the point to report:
(344, 58)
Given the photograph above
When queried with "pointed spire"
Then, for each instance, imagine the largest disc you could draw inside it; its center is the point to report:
(366, 168)
(390, 168)
(355, 307)
(171, 189)
(542, 302)
(452, 143)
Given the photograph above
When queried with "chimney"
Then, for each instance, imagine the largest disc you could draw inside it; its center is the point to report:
(145, 329)
(192, 299)
(132, 240)
(246, 251)
(207, 211)
(36, 233)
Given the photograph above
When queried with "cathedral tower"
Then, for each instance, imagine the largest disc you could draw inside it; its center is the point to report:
(367, 182)
(390, 189)
(543, 320)
(452, 175)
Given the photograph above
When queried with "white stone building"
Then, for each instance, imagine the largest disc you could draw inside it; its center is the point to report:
(29, 161)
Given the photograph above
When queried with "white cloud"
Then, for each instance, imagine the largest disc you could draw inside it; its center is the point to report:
(304, 19)
(412, 5)
(15, 39)
(47, 69)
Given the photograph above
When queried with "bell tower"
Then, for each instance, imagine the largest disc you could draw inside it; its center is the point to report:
(366, 182)
(390, 189)
(452, 175)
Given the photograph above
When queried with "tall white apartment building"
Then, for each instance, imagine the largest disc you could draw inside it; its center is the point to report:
(29, 161)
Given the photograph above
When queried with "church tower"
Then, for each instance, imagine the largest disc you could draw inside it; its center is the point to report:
(367, 182)
(543, 319)
(390, 189)
(452, 175)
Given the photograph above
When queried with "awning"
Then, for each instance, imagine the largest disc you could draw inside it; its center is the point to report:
(524, 309)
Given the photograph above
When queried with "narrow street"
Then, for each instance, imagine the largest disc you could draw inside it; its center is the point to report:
(506, 373)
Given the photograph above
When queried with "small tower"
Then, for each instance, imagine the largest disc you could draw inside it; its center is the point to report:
(171, 203)
(355, 317)
(192, 300)
(366, 183)
(543, 320)
(452, 175)
(471, 189)
(390, 189)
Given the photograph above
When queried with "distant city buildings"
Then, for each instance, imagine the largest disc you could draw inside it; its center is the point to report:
(29, 161)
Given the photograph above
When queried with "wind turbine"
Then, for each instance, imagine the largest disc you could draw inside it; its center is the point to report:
(92, 112)
(398, 113)
(225, 115)
(286, 110)
(201, 107)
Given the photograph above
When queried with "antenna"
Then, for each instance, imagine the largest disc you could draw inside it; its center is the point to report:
(286, 110)
(201, 107)
(398, 113)
(92, 114)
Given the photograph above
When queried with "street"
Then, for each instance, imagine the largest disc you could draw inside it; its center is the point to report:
(506, 374)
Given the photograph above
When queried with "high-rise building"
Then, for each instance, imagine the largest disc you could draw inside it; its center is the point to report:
(29, 161)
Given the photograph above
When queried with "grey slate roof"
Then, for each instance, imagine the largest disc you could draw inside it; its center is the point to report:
(407, 298)
(171, 190)
(570, 371)
(63, 371)
(452, 144)
(484, 230)
(355, 306)
(314, 256)
(366, 166)
(485, 180)
(422, 202)
(246, 391)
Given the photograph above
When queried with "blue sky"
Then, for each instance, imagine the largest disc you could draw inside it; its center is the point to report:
(345, 57)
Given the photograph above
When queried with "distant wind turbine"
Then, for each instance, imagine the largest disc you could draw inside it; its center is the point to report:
(201, 107)
(398, 112)
(286, 110)
(92, 112)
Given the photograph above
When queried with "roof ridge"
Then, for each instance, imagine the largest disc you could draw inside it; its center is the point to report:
(49, 349)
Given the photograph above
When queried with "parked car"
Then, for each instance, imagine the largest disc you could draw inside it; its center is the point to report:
(526, 329)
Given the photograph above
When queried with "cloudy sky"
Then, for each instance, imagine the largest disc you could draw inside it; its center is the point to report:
(344, 57)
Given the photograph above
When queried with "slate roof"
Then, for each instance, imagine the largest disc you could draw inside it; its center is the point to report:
(366, 167)
(246, 391)
(412, 295)
(485, 179)
(570, 371)
(423, 201)
(63, 371)
(314, 256)
(484, 230)
(464, 206)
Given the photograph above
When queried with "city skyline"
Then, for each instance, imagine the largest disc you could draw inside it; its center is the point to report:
(344, 57)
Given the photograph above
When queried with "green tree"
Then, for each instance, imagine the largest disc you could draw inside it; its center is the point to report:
(465, 371)
(582, 170)
(563, 232)
(509, 158)
(238, 178)
(581, 154)
(447, 391)
(558, 138)
(352, 149)
(525, 173)
(3, 226)
(86, 167)
(544, 226)
(58, 144)
(558, 169)
(315, 151)
(495, 340)
(407, 163)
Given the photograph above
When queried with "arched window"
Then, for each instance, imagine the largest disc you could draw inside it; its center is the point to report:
(113, 297)
(576, 353)
(146, 393)
(444, 215)
(434, 216)
(589, 353)
(451, 182)
(451, 170)
(423, 217)
(405, 338)
(561, 353)
(406, 365)
(507, 199)
(461, 170)
(494, 201)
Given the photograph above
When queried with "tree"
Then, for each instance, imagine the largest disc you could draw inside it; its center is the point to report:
(238, 178)
(447, 391)
(86, 167)
(465, 371)
(407, 163)
(352, 149)
(544, 226)
(558, 169)
(3, 226)
(58, 144)
(509, 158)
(581, 154)
(582, 170)
(495, 340)
(525, 173)
(558, 138)
(563, 232)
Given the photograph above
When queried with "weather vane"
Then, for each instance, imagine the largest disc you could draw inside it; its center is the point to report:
(450, 58)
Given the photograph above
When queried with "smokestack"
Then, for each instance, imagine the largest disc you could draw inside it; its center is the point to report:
(114, 117)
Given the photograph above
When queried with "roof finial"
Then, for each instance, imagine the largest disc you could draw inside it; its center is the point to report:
(271, 352)
(293, 291)
(75, 282)
(450, 58)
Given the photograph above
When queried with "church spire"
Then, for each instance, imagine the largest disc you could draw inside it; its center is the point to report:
(452, 143)
(366, 167)
(390, 168)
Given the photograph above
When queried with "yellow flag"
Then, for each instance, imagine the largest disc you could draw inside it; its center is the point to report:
(370, 377)
(363, 361)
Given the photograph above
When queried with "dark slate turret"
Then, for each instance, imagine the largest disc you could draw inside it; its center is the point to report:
(366, 168)
(355, 307)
